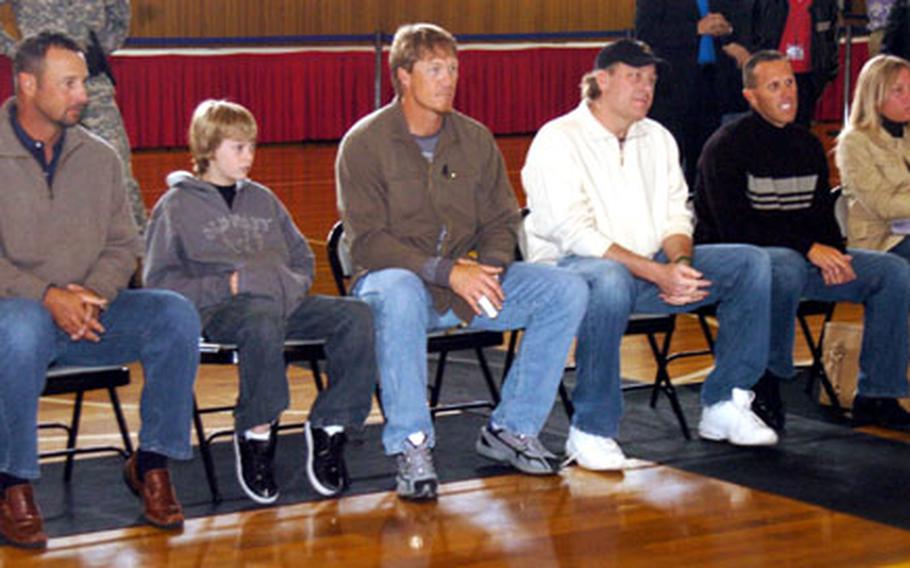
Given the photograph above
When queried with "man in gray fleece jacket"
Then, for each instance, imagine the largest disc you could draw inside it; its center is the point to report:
(68, 247)
(230, 246)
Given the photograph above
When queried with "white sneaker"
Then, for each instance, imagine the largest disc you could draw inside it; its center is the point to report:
(596, 453)
(733, 421)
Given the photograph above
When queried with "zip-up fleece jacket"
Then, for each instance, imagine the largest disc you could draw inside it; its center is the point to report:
(195, 242)
(402, 211)
(79, 230)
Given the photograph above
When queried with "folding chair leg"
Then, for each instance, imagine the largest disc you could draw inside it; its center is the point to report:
(566, 400)
(487, 375)
(662, 382)
(121, 421)
(317, 376)
(436, 387)
(72, 434)
(817, 370)
(206, 453)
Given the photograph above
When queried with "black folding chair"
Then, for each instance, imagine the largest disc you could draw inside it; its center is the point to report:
(439, 342)
(816, 369)
(79, 380)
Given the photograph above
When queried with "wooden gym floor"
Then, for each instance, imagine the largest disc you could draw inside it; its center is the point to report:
(651, 516)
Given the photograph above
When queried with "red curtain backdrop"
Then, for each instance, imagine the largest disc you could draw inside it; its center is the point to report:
(317, 94)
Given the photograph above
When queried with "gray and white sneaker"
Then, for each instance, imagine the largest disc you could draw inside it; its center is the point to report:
(416, 479)
(525, 453)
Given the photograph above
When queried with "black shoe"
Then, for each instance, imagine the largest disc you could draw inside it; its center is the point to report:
(875, 411)
(768, 404)
(325, 465)
(255, 466)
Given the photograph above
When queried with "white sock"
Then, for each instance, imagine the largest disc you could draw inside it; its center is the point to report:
(333, 429)
(258, 436)
(417, 438)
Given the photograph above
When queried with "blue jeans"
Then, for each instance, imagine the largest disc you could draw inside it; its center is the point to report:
(741, 288)
(882, 285)
(547, 302)
(259, 328)
(158, 328)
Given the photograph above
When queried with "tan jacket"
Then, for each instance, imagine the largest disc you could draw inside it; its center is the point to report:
(78, 231)
(875, 174)
(401, 211)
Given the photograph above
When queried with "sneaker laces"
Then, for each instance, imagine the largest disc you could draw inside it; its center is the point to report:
(532, 447)
(418, 459)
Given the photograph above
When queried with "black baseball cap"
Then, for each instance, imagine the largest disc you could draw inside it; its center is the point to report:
(629, 51)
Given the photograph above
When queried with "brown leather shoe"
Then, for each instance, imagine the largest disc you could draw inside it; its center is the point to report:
(20, 518)
(158, 497)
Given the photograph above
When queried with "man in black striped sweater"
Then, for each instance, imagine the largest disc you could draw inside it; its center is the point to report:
(764, 181)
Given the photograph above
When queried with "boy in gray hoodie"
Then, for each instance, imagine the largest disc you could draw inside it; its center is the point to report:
(229, 245)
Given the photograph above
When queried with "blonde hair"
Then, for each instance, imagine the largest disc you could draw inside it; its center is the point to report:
(412, 42)
(212, 122)
(876, 77)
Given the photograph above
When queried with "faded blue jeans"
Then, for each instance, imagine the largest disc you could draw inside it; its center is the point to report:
(741, 288)
(882, 286)
(547, 302)
(156, 327)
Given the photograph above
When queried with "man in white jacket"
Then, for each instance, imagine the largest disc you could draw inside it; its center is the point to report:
(608, 202)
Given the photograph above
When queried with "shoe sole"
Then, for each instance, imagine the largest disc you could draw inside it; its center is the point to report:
(507, 456)
(310, 472)
(238, 469)
(710, 436)
(575, 457)
(424, 490)
(5, 540)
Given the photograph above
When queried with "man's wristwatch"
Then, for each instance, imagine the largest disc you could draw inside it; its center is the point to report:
(685, 259)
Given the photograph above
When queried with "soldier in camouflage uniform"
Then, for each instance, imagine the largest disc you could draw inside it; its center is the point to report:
(109, 20)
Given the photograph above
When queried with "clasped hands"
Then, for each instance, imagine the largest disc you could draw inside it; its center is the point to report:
(76, 310)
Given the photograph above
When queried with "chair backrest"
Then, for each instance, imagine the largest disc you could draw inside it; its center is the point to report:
(339, 253)
(521, 244)
(840, 210)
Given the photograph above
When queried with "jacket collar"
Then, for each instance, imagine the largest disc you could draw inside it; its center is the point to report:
(448, 134)
(595, 130)
(10, 146)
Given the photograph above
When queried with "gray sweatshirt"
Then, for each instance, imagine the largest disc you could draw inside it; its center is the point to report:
(195, 242)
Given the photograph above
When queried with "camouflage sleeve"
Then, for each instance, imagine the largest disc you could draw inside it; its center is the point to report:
(7, 42)
(116, 25)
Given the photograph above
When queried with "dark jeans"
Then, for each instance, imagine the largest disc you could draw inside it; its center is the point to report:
(259, 328)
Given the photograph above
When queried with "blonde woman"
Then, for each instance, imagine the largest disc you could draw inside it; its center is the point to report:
(873, 156)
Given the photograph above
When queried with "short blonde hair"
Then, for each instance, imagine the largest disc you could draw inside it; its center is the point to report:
(412, 42)
(876, 77)
(212, 122)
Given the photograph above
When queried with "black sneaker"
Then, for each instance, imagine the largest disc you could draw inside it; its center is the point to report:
(768, 404)
(325, 465)
(255, 466)
(876, 411)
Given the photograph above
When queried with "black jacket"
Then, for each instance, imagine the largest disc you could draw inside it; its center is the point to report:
(670, 27)
(769, 18)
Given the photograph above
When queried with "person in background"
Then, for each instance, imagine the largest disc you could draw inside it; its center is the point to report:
(704, 42)
(806, 32)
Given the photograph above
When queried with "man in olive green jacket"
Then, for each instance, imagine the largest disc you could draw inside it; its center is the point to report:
(420, 188)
